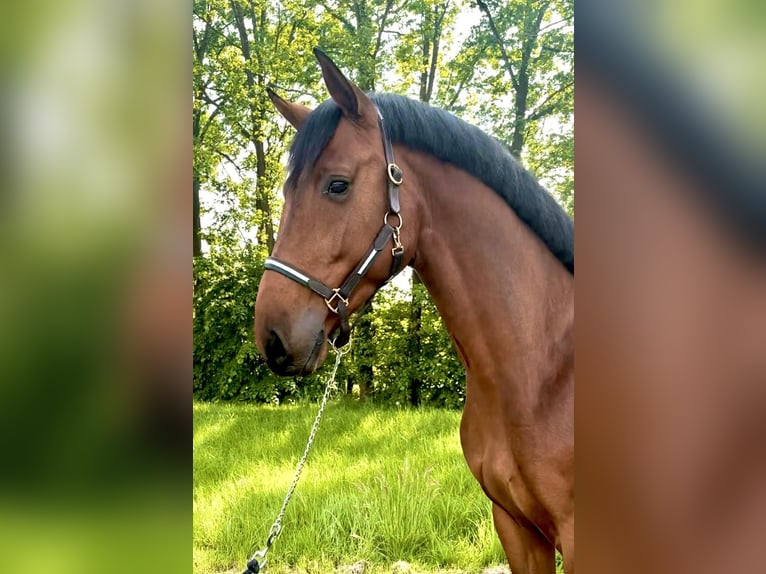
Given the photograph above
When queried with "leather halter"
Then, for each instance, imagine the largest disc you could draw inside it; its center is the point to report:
(337, 299)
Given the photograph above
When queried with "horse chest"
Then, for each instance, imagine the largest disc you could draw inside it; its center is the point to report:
(496, 459)
(489, 451)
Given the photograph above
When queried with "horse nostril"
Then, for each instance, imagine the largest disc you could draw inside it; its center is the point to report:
(276, 354)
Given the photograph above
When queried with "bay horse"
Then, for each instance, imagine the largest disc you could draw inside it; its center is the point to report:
(378, 180)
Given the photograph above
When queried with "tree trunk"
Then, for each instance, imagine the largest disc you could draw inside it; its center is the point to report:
(196, 223)
(520, 116)
(424, 56)
(430, 58)
(430, 78)
(261, 192)
(262, 196)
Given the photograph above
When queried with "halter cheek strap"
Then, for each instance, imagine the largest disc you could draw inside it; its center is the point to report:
(337, 299)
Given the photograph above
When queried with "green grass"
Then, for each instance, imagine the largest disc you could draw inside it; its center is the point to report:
(381, 485)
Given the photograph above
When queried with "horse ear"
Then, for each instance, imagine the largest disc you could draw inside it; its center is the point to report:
(296, 114)
(351, 100)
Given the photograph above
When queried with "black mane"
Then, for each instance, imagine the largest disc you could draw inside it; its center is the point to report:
(421, 127)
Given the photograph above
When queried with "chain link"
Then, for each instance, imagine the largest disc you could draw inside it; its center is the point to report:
(276, 528)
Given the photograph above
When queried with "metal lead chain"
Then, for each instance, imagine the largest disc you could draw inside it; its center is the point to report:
(257, 561)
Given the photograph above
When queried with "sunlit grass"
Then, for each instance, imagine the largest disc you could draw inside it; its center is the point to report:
(380, 486)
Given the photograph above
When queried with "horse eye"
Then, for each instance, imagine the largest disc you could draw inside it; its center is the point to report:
(337, 187)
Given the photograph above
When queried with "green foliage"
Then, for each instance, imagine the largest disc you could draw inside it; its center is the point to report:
(523, 94)
(227, 366)
(434, 365)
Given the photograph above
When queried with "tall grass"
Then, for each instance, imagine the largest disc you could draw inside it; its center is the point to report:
(381, 485)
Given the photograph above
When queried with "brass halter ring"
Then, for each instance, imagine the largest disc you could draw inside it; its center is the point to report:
(397, 228)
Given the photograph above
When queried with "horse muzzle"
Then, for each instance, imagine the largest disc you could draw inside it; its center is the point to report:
(292, 343)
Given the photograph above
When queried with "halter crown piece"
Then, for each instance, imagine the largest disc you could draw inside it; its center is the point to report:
(337, 299)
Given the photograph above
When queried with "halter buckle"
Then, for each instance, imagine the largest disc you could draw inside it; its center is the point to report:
(341, 299)
(395, 174)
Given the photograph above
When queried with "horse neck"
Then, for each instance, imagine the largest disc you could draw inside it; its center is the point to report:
(506, 301)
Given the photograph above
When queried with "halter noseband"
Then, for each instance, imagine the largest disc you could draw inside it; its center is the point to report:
(337, 299)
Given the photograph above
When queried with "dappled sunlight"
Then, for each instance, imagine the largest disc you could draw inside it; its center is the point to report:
(381, 485)
(210, 430)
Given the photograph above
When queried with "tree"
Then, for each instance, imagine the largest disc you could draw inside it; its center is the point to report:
(357, 31)
(527, 51)
(208, 42)
(532, 42)
(418, 57)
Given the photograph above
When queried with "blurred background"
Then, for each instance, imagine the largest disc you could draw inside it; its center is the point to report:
(95, 287)
(671, 291)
